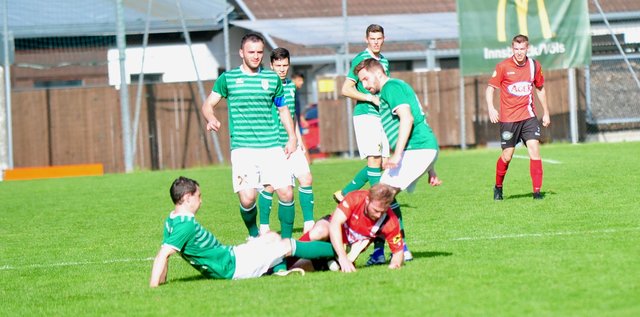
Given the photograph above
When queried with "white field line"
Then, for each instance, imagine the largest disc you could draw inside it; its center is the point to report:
(499, 237)
(550, 161)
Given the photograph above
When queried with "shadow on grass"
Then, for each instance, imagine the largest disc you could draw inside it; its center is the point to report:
(530, 195)
(190, 278)
(430, 254)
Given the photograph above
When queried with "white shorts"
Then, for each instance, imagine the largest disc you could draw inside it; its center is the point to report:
(254, 168)
(298, 164)
(257, 256)
(413, 164)
(370, 136)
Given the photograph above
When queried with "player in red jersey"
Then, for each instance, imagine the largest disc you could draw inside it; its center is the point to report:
(516, 78)
(361, 216)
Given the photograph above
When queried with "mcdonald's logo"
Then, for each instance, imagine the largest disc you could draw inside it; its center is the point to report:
(522, 8)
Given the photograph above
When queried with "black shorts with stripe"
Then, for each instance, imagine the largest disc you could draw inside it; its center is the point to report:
(512, 132)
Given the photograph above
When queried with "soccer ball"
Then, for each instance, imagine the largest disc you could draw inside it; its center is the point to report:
(333, 265)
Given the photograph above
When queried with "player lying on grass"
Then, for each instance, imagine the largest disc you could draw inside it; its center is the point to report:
(361, 216)
(202, 250)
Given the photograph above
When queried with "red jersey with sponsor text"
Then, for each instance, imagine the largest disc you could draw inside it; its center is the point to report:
(359, 227)
(516, 84)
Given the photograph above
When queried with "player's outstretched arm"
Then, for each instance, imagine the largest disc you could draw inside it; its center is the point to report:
(160, 266)
(335, 234)
(396, 260)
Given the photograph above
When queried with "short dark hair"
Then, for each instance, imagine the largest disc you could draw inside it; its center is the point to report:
(520, 38)
(280, 53)
(182, 186)
(297, 75)
(374, 28)
(368, 64)
(252, 37)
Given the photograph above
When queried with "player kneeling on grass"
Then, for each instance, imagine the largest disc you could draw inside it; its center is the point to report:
(200, 248)
(361, 216)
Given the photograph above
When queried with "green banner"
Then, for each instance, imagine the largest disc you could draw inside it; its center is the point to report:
(558, 31)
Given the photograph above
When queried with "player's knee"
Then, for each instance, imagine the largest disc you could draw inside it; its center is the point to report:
(305, 180)
(285, 194)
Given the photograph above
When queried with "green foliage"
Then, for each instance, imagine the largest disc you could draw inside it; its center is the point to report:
(83, 246)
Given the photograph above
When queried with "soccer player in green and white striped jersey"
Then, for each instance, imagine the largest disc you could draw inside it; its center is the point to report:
(415, 148)
(297, 161)
(257, 157)
(204, 252)
(372, 143)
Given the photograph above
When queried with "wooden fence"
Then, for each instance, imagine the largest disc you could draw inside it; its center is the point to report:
(83, 125)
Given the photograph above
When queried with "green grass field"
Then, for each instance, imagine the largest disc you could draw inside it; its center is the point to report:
(83, 246)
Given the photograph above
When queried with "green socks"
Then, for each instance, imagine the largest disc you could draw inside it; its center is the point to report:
(312, 249)
(264, 203)
(358, 181)
(305, 195)
(286, 214)
(249, 217)
(395, 206)
(374, 174)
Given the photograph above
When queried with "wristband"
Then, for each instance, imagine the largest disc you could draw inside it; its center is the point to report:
(369, 98)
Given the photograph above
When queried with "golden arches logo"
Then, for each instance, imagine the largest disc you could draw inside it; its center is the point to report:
(522, 7)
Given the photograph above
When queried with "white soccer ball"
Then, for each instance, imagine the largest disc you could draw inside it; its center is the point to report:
(333, 265)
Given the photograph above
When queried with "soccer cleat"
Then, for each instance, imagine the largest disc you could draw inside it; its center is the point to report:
(338, 197)
(497, 193)
(537, 195)
(407, 254)
(287, 272)
(377, 257)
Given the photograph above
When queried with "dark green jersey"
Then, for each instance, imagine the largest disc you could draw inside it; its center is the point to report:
(363, 107)
(290, 101)
(199, 247)
(250, 99)
(394, 93)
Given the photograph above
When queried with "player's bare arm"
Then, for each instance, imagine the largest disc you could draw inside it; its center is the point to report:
(406, 124)
(349, 90)
(542, 96)
(335, 235)
(287, 123)
(493, 113)
(433, 178)
(296, 128)
(160, 266)
(396, 260)
(208, 107)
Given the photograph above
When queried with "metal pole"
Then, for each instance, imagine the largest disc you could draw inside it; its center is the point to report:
(587, 93)
(124, 90)
(7, 86)
(573, 105)
(136, 117)
(347, 68)
(463, 127)
(203, 96)
(225, 31)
